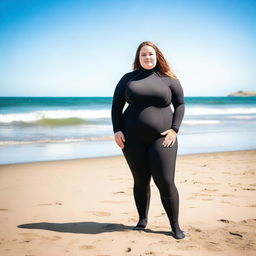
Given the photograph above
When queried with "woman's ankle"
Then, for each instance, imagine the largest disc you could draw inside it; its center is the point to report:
(142, 222)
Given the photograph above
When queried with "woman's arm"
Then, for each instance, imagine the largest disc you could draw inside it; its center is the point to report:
(118, 103)
(178, 104)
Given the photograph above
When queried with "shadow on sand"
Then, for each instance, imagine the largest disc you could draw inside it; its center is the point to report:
(85, 227)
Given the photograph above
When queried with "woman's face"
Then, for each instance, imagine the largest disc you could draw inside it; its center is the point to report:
(147, 57)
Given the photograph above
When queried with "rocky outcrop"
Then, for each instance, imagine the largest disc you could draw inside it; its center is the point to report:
(243, 93)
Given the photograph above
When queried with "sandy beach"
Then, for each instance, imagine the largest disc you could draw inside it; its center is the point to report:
(86, 207)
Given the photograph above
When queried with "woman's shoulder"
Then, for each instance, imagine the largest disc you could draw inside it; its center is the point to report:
(130, 74)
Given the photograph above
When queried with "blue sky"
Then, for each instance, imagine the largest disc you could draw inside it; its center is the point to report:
(82, 48)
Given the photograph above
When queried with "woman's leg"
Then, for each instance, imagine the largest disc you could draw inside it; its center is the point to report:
(136, 157)
(162, 162)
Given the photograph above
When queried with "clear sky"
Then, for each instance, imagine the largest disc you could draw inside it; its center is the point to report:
(82, 48)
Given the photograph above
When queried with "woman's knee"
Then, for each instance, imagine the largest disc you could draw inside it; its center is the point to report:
(142, 183)
(166, 188)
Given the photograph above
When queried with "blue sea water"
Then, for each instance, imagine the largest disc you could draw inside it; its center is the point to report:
(54, 128)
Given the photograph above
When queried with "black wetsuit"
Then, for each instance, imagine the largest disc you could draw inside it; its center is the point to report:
(149, 95)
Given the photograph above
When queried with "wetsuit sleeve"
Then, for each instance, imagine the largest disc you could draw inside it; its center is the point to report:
(178, 104)
(118, 103)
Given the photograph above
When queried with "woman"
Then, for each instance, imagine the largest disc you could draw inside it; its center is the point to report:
(146, 131)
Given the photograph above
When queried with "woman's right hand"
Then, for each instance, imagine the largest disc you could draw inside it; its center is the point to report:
(120, 139)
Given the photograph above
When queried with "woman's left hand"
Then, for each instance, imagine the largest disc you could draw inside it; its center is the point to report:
(169, 138)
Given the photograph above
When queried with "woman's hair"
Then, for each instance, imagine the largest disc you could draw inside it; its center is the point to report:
(161, 66)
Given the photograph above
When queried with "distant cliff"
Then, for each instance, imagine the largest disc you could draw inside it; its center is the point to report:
(243, 93)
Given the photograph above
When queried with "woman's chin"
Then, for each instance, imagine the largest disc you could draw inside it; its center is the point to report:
(148, 66)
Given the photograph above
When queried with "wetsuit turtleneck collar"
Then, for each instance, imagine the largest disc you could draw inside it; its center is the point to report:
(147, 71)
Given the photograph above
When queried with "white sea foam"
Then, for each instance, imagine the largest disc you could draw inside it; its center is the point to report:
(195, 111)
(34, 116)
(98, 138)
(94, 114)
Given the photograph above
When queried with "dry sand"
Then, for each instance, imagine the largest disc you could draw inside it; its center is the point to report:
(86, 207)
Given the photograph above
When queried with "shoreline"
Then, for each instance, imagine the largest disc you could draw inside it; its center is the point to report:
(86, 207)
(118, 156)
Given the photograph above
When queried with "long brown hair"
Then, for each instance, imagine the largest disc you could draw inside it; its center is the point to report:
(162, 65)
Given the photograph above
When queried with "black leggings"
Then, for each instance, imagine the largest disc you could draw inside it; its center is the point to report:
(146, 160)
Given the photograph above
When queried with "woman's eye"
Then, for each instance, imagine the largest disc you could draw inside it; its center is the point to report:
(146, 54)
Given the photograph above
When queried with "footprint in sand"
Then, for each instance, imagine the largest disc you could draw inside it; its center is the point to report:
(224, 220)
(119, 192)
(209, 190)
(163, 213)
(228, 195)
(26, 241)
(214, 243)
(201, 194)
(3, 209)
(101, 214)
(193, 229)
(212, 246)
(149, 253)
(235, 234)
(205, 183)
(48, 204)
(87, 247)
(31, 236)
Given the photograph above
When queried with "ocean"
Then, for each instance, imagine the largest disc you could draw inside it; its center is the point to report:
(55, 128)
